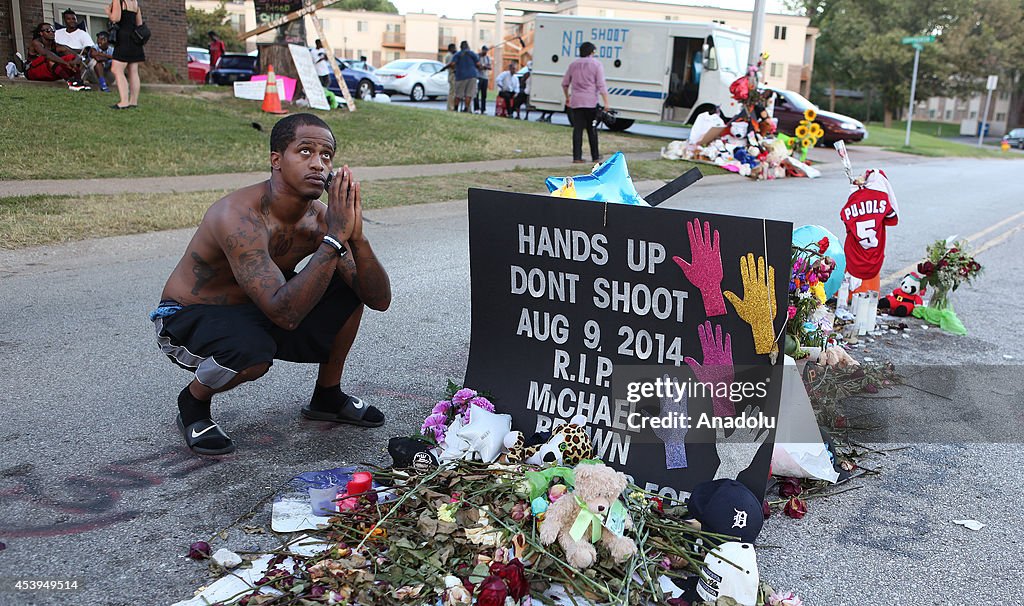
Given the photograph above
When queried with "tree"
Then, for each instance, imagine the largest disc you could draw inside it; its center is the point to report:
(988, 38)
(376, 6)
(199, 22)
(861, 45)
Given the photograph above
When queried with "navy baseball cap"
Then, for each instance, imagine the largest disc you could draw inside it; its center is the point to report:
(727, 507)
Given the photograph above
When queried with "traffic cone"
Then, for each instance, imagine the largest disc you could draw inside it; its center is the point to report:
(272, 100)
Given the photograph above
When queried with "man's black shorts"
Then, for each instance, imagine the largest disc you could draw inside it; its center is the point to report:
(219, 341)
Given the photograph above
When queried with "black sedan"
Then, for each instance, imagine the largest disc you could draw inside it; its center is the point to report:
(1015, 138)
(233, 68)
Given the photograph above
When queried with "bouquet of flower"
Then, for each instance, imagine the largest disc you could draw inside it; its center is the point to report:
(810, 270)
(945, 268)
(459, 403)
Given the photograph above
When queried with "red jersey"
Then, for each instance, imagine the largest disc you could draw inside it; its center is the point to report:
(869, 209)
(217, 49)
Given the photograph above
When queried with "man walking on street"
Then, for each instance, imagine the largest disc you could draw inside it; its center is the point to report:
(483, 81)
(453, 101)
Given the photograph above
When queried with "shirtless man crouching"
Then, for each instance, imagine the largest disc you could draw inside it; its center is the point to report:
(234, 303)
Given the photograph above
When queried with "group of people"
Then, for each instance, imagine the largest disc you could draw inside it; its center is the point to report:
(69, 53)
(469, 76)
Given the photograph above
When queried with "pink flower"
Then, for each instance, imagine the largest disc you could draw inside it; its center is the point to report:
(791, 312)
(441, 407)
(462, 396)
(784, 599)
(435, 424)
(482, 402)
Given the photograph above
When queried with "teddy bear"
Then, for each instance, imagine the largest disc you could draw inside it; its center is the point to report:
(597, 487)
(568, 445)
(903, 300)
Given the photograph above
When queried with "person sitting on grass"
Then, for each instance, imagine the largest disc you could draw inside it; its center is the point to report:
(80, 42)
(234, 303)
(104, 52)
(49, 61)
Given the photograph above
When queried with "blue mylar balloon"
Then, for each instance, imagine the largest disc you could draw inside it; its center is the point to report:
(609, 182)
(808, 235)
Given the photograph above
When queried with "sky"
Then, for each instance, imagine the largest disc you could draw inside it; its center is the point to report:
(463, 9)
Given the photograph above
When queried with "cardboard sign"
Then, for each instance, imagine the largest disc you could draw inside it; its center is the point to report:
(572, 300)
(253, 91)
(307, 74)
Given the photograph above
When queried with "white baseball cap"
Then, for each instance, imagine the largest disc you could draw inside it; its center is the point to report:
(730, 570)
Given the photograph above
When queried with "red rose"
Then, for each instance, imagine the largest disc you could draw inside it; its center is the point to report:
(954, 250)
(943, 263)
(840, 422)
(790, 487)
(925, 268)
(492, 592)
(766, 509)
(514, 575)
(199, 550)
(822, 245)
(964, 271)
(975, 266)
(795, 508)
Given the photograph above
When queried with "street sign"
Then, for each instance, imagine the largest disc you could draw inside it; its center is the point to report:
(992, 82)
(915, 40)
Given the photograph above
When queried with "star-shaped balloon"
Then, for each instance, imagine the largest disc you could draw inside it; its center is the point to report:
(609, 182)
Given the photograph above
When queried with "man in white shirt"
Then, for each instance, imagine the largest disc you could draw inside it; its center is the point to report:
(322, 63)
(80, 42)
(508, 87)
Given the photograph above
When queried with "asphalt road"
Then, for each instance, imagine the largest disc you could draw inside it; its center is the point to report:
(660, 131)
(96, 485)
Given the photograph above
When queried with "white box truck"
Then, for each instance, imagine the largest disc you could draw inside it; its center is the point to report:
(655, 70)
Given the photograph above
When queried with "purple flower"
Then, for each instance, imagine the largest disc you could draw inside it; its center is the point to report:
(199, 550)
(441, 407)
(482, 402)
(436, 424)
(462, 396)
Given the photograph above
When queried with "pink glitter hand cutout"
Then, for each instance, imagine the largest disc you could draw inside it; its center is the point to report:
(705, 267)
(717, 369)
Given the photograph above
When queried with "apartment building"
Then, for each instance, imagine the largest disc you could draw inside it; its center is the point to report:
(383, 37)
(964, 115)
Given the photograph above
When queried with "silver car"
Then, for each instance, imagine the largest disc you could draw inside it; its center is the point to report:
(419, 79)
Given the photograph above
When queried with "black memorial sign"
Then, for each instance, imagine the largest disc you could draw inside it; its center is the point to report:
(569, 295)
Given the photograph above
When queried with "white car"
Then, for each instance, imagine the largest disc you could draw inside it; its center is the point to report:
(419, 79)
(196, 53)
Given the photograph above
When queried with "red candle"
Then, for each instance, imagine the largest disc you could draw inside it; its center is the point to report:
(361, 482)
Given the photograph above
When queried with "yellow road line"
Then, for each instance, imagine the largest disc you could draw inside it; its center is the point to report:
(898, 275)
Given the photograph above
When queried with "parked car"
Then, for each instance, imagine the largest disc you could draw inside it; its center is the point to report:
(790, 107)
(361, 83)
(363, 65)
(199, 54)
(1015, 138)
(233, 67)
(418, 78)
(198, 64)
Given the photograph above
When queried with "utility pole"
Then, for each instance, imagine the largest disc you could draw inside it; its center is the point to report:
(991, 86)
(756, 33)
(918, 42)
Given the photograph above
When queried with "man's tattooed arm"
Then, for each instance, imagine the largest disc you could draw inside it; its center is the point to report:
(366, 275)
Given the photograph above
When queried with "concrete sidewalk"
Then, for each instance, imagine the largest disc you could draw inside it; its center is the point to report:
(125, 185)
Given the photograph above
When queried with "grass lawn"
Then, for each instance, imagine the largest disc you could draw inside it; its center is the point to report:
(924, 144)
(51, 133)
(37, 220)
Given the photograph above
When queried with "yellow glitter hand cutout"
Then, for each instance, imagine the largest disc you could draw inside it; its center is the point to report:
(758, 307)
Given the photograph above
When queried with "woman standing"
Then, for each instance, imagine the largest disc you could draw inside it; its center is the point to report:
(127, 53)
(586, 78)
